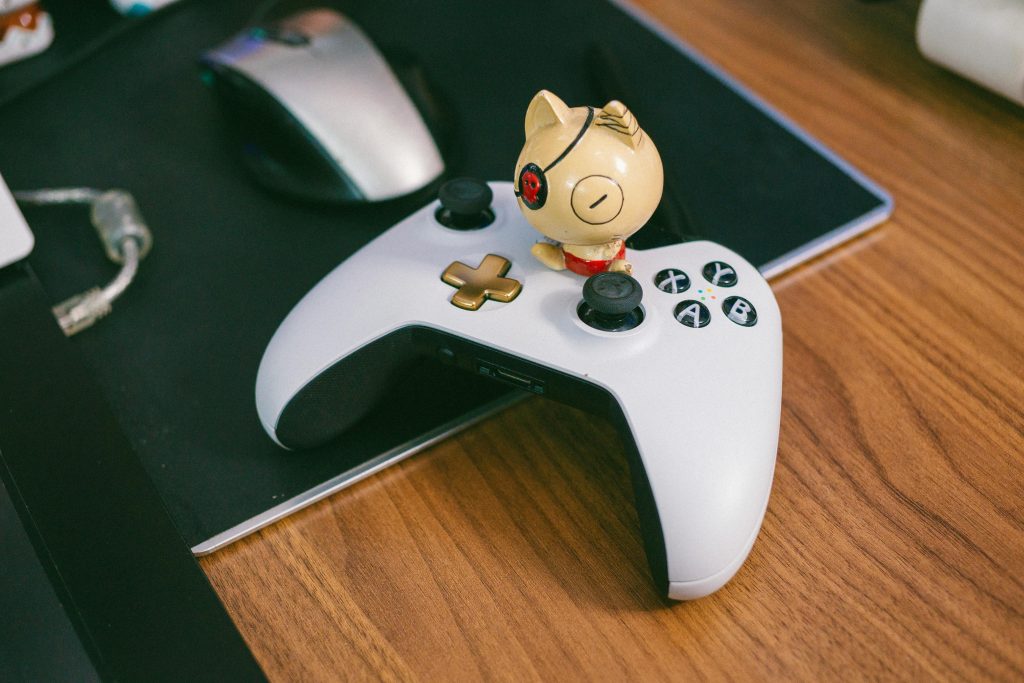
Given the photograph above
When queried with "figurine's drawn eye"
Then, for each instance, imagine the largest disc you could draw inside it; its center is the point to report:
(597, 199)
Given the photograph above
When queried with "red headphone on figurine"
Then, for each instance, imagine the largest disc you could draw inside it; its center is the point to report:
(532, 184)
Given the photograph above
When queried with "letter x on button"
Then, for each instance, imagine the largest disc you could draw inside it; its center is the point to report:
(477, 285)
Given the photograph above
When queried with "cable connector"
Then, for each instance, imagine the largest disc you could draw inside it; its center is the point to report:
(126, 240)
(81, 311)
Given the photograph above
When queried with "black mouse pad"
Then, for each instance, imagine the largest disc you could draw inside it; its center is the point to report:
(177, 359)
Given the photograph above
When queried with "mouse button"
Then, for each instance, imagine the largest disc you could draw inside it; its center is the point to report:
(314, 23)
(284, 36)
(340, 40)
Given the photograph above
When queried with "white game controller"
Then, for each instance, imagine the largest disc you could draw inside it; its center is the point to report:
(691, 376)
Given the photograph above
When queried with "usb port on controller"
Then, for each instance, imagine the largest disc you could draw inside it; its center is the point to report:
(531, 384)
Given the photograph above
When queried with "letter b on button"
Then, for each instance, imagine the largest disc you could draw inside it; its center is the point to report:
(740, 311)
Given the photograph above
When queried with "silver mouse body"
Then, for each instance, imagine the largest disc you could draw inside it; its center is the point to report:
(319, 112)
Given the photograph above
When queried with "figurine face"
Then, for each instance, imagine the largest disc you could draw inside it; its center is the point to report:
(586, 176)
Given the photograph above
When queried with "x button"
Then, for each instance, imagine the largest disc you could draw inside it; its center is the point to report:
(477, 285)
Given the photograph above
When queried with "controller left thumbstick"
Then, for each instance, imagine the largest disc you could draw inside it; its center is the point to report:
(465, 204)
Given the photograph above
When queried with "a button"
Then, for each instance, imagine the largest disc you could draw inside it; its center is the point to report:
(740, 311)
(720, 274)
(477, 285)
(672, 280)
(692, 313)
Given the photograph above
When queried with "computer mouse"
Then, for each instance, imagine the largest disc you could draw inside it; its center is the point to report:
(319, 114)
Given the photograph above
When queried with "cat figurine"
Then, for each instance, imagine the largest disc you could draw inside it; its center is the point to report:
(587, 179)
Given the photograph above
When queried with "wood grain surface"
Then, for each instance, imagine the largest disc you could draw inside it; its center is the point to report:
(893, 546)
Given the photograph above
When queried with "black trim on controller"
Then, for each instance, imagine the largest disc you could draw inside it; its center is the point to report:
(339, 396)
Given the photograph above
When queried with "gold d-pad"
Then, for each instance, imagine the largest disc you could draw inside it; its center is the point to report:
(477, 285)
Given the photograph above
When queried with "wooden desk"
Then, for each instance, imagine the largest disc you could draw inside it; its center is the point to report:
(894, 540)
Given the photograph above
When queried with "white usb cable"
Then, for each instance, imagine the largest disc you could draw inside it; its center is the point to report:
(126, 240)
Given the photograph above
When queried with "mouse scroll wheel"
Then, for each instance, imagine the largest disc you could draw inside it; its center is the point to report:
(280, 35)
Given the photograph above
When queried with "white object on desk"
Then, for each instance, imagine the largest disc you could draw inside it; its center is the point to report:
(25, 30)
(16, 239)
(980, 39)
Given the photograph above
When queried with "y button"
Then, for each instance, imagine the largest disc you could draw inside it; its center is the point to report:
(720, 274)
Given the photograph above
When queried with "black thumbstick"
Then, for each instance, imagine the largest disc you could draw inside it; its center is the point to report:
(611, 302)
(612, 293)
(465, 204)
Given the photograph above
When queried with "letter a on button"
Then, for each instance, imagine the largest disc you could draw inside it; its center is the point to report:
(693, 313)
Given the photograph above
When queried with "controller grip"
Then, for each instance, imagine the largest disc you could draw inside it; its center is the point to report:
(695, 538)
(336, 398)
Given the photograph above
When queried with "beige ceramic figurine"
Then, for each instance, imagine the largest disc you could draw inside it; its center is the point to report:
(587, 178)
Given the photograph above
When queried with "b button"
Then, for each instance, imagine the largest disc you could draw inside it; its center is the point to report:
(740, 311)
(692, 313)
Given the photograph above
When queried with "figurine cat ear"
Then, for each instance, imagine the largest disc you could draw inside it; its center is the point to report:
(616, 117)
(545, 109)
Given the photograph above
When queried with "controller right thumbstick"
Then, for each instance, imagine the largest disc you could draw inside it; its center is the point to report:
(611, 302)
(612, 293)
